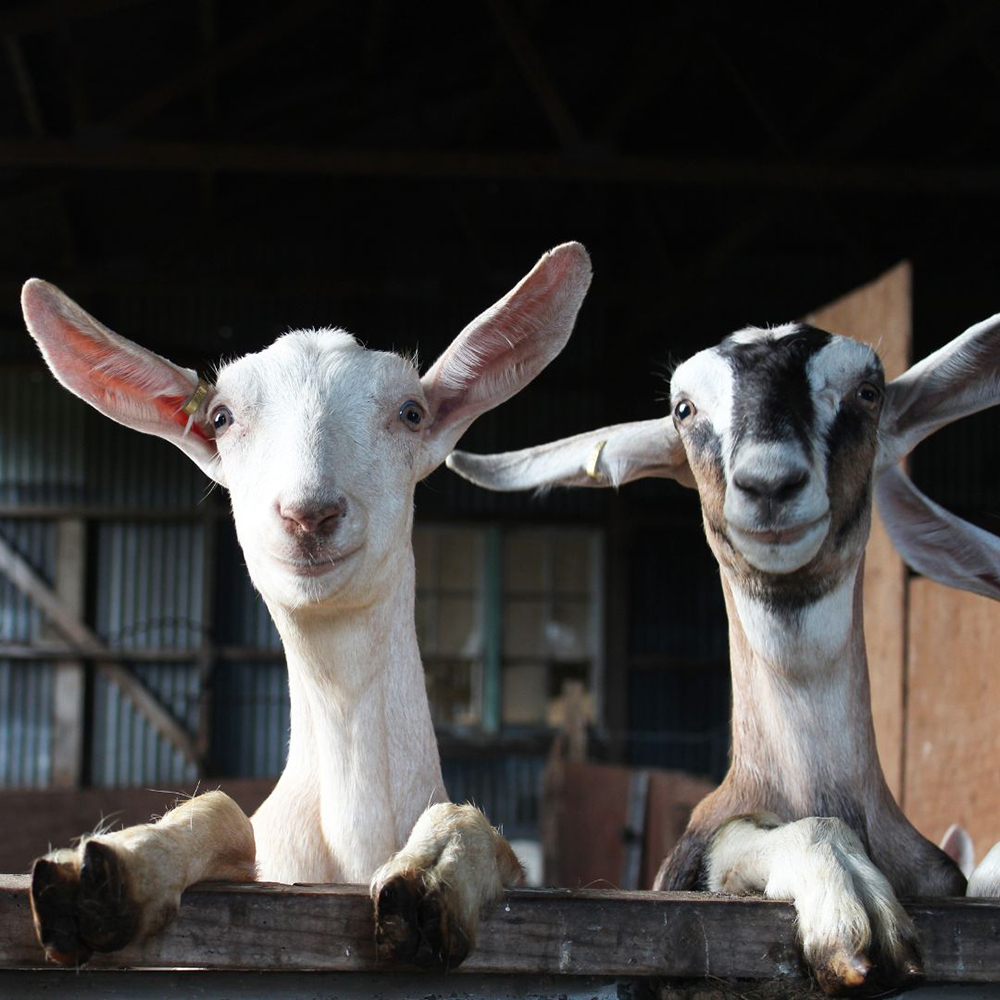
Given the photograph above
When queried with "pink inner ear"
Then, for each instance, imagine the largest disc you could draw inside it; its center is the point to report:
(509, 344)
(120, 379)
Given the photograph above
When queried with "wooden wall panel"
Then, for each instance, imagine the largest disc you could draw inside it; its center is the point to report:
(953, 714)
(880, 314)
(33, 819)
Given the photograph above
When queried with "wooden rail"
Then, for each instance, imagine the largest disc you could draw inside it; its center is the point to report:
(264, 927)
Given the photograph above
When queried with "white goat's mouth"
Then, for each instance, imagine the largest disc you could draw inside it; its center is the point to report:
(319, 566)
(781, 550)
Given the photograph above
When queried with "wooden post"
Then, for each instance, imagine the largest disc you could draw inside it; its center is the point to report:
(70, 682)
(880, 314)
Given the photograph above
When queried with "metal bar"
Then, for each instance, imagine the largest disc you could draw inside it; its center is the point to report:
(492, 629)
(757, 174)
(29, 583)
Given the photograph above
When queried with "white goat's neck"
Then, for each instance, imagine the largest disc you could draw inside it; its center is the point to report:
(802, 724)
(362, 750)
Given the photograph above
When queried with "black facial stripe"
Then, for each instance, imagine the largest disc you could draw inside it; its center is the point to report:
(858, 514)
(706, 444)
(773, 398)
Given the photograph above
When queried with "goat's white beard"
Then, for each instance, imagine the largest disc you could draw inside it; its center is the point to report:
(780, 557)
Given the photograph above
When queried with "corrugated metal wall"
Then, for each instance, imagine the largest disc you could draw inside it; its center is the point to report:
(25, 686)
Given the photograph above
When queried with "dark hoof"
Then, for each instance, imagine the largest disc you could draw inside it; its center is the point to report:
(54, 888)
(839, 973)
(417, 927)
(80, 911)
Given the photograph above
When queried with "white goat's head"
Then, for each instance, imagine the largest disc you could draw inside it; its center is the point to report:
(319, 441)
(782, 432)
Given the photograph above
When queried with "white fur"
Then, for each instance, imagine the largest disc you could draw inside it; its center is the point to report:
(985, 879)
(314, 426)
(841, 899)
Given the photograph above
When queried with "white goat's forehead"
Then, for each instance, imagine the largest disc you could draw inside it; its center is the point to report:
(315, 363)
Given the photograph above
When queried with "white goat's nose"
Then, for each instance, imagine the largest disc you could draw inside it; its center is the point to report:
(313, 517)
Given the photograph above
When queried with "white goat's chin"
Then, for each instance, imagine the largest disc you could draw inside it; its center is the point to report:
(782, 550)
(311, 580)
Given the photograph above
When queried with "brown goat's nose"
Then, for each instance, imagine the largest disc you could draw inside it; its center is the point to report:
(313, 518)
(779, 487)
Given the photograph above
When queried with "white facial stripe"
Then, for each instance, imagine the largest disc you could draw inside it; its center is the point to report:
(707, 380)
(751, 334)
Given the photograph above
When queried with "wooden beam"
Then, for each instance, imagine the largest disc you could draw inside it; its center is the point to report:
(761, 174)
(90, 646)
(267, 927)
(939, 47)
(43, 16)
(225, 58)
(532, 68)
(69, 694)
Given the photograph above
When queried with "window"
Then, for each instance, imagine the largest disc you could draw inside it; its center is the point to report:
(505, 616)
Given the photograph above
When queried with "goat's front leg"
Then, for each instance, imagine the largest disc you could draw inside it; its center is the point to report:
(116, 888)
(429, 895)
(848, 914)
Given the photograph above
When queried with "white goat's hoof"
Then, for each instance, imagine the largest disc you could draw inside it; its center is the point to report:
(417, 925)
(428, 897)
(81, 903)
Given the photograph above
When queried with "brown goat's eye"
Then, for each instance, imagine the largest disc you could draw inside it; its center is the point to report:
(869, 396)
(411, 414)
(684, 411)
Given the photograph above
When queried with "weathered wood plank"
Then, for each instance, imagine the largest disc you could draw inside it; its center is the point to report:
(267, 927)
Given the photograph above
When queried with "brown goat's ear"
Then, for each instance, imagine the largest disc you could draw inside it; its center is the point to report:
(935, 542)
(503, 349)
(960, 378)
(611, 456)
(124, 381)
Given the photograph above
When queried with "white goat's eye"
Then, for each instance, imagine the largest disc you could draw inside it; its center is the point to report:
(684, 410)
(869, 395)
(222, 417)
(411, 414)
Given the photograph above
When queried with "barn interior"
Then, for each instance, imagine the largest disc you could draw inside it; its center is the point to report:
(205, 175)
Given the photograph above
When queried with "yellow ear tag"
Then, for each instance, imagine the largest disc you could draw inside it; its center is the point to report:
(595, 456)
(197, 398)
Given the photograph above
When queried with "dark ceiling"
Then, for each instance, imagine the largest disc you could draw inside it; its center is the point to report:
(204, 173)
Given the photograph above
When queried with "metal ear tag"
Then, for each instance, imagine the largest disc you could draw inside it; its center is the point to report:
(592, 459)
(197, 398)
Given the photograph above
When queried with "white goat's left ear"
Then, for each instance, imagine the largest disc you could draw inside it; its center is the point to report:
(503, 349)
(933, 541)
(960, 378)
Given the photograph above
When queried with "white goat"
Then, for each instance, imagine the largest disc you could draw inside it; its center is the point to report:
(320, 444)
(783, 432)
(984, 878)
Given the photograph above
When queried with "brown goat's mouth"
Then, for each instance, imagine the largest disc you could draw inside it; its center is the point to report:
(782, 536)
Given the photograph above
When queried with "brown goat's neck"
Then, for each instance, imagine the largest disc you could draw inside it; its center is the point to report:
(803, 737)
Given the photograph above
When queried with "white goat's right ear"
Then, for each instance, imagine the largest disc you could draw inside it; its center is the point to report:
(958, 845)
(607, 457)
(503, 349)
(935, 542)
(124, 381)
